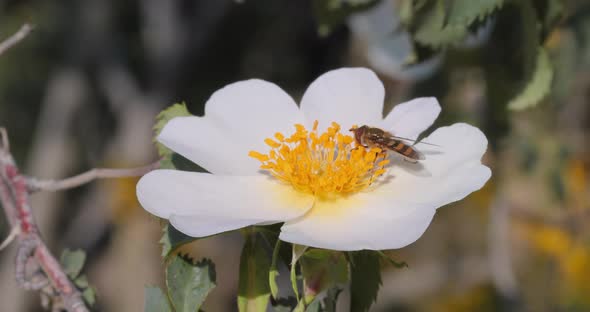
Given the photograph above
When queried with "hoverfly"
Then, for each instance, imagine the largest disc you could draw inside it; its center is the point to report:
(374, 137)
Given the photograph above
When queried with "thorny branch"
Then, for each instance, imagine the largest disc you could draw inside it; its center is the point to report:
(33, 256)
(36, 267)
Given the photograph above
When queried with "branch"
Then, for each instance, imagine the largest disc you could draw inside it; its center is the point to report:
(35, 185)
(15, 38)
(31, 248)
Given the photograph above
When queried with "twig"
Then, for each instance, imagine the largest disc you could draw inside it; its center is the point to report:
(35, 185)
(15, 38)
(4, 143)
(16, 204)
(11, 236)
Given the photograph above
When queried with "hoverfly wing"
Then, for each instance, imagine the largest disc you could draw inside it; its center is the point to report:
(408, 152)
(415, 142)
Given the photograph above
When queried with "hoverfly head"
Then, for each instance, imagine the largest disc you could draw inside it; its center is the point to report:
(358, 133)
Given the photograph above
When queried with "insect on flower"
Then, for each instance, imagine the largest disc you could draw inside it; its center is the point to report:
(374, 137)
(314, 179)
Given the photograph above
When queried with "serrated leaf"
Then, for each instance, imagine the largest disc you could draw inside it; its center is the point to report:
(175, 110)
(155, 300)
(172, 239)
(465, 12)
(443, 23)
(433, 31)
(89, 295)
(189, 284)
(538, 86)
(322, 269)
(254, 289)
(72, 262)
(333, 13)
(365, 280)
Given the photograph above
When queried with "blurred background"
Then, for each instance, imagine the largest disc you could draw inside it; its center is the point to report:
(82, 91)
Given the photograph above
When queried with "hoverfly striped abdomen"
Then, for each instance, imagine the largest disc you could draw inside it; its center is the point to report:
(374, 137)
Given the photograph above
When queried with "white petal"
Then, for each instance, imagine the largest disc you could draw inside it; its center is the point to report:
(409, 119)
(237, 119)
(205, 142)
(373, 221)
(450, 171)
(198, 226)
(229, 201)
(348, 96)
(398, 209)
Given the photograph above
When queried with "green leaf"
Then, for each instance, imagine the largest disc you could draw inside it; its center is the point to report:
(173, 111)
(406, 11)
(189, 283)
(442, 23)
(297, 252)
(254, 289)
(332, 13)
(465, 12)
(155, 300)
(331, 299)
(365, 280)
(89, 295)
(315, 306)
(433, 32)
(172, 239)
(81, 282)
(176, 110)
(72, 262)
(293, 277)
(538, 86)
(274, 272)
(322, 269)
(554, 10)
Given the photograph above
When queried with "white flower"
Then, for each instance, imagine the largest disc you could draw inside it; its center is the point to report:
(351, 201)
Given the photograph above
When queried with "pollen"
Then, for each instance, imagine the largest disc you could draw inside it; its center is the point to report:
(322, 164)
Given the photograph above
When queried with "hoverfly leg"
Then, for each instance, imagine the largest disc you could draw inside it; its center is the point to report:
(382, 154)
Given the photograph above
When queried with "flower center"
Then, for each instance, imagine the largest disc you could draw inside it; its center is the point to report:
(322, 164)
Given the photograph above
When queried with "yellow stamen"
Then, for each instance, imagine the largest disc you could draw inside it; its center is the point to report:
(322, 164)
(259, 156)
